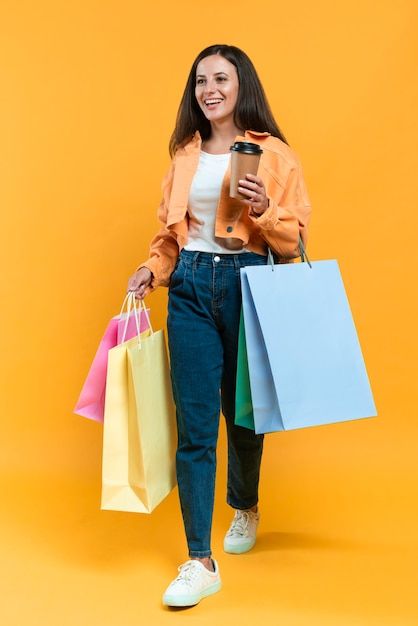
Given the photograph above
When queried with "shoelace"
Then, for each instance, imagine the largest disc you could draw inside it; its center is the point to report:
(188, 572)
(239, 524)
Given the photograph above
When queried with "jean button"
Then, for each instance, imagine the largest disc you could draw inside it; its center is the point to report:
(216, 258)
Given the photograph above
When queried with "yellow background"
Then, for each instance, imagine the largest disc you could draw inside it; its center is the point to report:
(89, 93)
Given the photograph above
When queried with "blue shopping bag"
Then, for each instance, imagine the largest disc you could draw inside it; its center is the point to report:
(305, 362)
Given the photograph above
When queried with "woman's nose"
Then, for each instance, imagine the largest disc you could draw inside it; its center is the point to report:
(210, 88)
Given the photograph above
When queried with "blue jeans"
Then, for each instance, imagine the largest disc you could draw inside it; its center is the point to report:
(203, 321)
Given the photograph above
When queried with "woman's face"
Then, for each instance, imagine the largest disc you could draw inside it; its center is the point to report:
(217, 82)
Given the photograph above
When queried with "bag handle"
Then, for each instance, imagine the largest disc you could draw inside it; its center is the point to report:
(130, 297)
(302, 254)
(145, 312)
(138, 310)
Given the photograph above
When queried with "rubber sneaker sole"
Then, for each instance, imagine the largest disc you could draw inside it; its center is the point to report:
(191, 599)
(238, 548)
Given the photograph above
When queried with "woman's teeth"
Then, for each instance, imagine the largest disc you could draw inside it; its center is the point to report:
(212, 103)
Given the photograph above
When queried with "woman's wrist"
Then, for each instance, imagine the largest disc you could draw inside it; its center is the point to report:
(258, 213)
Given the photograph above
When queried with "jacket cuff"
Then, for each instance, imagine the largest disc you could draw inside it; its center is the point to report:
(154, 279)
(268, 219)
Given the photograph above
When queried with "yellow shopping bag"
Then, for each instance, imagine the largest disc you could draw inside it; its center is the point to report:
(139, 429)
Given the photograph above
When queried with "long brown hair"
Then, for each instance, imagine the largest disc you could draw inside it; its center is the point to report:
(252, 110)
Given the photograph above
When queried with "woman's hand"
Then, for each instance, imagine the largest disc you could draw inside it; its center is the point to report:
(139, 281)
(256, 192)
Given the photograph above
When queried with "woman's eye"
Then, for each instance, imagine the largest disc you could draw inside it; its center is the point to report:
(199, 81)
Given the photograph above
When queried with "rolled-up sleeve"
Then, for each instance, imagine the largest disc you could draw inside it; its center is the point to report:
(287, 216)
(164, 248)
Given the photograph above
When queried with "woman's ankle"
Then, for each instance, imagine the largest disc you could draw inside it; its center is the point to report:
(254, 509)
(207, 562)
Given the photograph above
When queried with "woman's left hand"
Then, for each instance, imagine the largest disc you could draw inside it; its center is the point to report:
(254, 188)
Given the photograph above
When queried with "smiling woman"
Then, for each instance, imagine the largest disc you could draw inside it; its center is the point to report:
(217, 88)
(227, 74)
(196, 256)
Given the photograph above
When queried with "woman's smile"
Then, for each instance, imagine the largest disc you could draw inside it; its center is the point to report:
(212, 103)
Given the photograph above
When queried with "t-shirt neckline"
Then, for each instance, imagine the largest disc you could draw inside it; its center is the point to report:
(223, 154)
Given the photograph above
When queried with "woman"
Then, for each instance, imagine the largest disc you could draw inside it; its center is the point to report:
(205, 238)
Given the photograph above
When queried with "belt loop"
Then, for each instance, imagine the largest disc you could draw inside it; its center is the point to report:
(237, 263)
(195, 257)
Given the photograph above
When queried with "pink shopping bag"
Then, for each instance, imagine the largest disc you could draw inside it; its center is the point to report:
(121, 327)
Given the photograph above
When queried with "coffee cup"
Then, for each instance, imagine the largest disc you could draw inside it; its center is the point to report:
(245, 158)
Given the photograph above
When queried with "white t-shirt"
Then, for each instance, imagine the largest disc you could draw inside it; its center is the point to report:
(204, 196)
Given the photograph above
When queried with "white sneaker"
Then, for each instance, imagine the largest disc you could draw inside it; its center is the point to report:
(241, 535)
(193, 583)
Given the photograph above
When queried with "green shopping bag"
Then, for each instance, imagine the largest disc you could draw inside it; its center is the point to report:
(243, 402)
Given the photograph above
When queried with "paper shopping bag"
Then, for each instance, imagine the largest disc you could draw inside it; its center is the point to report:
(121, 327)
(243, 402)
(305, 362)
(139, 430)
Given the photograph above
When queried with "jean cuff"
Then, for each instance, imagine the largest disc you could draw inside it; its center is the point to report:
(201, 554)
(240, 506)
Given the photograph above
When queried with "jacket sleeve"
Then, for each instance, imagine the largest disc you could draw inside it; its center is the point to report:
(287, 216)
(164, 249)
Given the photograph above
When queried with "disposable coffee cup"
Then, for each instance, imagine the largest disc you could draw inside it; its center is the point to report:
(245, 158)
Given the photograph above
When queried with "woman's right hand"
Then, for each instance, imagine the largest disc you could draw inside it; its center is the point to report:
(139, 282)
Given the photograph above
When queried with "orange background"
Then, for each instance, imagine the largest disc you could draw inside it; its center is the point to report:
(89, 96)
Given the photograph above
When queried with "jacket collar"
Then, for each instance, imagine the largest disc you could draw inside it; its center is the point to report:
(196, 140)
(256, 133)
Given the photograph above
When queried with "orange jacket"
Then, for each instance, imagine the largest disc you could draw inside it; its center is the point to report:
(279, 226)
